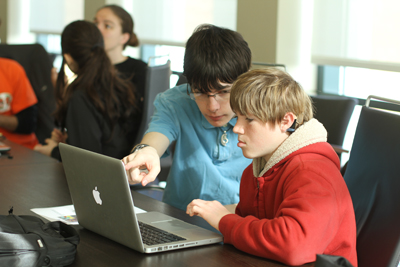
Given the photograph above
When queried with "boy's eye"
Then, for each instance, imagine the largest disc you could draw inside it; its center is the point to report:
(249, 120)
(224, 92)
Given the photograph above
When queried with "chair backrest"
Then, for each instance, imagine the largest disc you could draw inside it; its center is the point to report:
(36, 62)
(373, 179)
(181, 78)
(157, 81)
(334, 112)
(264, 65)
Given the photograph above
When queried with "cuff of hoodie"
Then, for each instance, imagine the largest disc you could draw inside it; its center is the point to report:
(226, 225)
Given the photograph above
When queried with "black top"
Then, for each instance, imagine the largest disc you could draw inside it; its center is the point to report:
(87, 128)
(134, 70)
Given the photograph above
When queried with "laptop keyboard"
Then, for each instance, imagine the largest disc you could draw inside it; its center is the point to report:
(154, 236)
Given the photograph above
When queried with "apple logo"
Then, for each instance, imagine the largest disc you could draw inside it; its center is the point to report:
(96, 195)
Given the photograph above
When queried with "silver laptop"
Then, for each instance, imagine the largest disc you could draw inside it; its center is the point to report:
(103, 204)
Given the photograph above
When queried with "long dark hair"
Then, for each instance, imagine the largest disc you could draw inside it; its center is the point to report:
(113, 97)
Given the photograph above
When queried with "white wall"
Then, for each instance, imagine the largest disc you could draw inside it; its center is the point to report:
(18, 22)
(294, 39)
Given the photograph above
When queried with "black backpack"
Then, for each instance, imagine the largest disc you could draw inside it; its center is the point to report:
(27, 241)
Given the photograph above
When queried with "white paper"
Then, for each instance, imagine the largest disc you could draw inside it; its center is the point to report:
(65, 214)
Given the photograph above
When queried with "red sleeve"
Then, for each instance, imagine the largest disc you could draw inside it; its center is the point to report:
(303, 225)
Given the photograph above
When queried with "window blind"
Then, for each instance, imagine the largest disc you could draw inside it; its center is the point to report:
(171, 22)
(357, 33)
(51, 16)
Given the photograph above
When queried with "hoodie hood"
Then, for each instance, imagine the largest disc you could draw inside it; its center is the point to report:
(309, 133)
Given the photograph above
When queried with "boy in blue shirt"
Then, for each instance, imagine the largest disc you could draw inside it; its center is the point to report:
(207, 164)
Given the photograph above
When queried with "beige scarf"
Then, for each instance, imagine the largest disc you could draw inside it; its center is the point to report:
(309, 133)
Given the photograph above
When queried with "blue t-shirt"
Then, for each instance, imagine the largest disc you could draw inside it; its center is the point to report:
(202, 167)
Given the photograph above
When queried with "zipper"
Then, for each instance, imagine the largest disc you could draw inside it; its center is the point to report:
(257, 197)
(258, 190)
(39, 241)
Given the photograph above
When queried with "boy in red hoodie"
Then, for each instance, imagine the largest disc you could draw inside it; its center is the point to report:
(294, 203)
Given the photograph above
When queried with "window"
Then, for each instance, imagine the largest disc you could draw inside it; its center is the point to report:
(357, 52)
(357, 33)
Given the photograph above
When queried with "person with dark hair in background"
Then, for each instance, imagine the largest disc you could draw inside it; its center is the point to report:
(207, 163)
(99, 109)
(116, 25)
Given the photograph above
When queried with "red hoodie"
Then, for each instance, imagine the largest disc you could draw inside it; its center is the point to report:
(295, 208)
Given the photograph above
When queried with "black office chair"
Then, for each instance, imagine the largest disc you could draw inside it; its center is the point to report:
(334, 112)
(181, 78)
(37, 64)
(157, 81)
(324, 260)
(372, 177)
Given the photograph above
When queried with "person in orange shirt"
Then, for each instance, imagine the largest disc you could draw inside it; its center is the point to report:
(18, 110)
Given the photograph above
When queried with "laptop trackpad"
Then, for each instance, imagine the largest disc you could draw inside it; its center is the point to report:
(164, 222)
(172, 225)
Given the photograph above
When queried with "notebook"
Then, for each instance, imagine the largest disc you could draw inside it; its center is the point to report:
(103, 204)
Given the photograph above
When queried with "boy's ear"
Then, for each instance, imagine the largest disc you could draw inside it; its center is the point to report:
(287, 121)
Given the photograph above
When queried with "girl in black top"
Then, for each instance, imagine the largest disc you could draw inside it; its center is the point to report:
(116, 26)
(99, 109)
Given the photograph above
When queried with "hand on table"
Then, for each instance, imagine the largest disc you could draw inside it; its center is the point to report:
(47, 148)
(211, 211)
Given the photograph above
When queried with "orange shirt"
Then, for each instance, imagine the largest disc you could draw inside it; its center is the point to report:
(16, 94)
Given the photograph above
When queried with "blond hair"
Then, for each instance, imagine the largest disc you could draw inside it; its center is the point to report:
(269, 94)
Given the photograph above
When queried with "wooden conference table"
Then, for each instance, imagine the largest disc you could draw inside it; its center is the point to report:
(29, 180)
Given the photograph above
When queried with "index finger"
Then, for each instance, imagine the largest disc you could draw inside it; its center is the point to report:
(150, 176)
(132, 162)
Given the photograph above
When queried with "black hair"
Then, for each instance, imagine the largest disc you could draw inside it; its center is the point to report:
(112, 96)
(215, 55)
